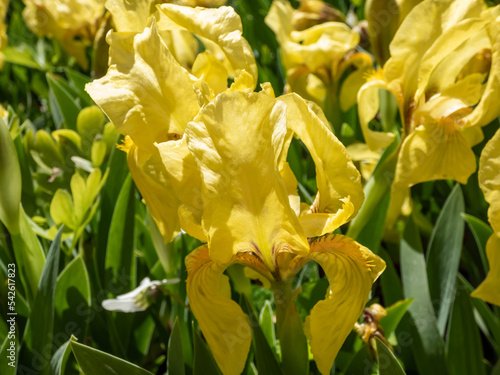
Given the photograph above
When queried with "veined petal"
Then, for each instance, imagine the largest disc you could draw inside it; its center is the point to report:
(208, 68)
(489, 289)
(221, 26)
(153, 182)
(130, 16)
(487, 109)
(340, 193)
(368, 106)
(237, 141)
(185, 182)
(433, 152)
(223, 323)
(408, 47)
(489, 179)
(146, 93)
(351, 270)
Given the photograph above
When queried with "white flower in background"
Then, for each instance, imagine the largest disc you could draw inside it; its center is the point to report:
(138, 299)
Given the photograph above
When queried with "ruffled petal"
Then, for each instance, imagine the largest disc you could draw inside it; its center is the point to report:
(237, 141)
(185, 182)
(351, 270)
(130, 16)
(146, 93)
(153, 182)
(368, 106)
(340, 193)
(221, 26)
(489, 289)
(223, 323)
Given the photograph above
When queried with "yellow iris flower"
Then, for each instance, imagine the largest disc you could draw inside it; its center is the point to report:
(150, 98)
(445, 79)
(316, 50)
(489, 181)
(74, 23)
(252, 216)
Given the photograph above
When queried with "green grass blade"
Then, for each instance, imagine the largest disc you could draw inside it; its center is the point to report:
(443, 255)
(427, 345)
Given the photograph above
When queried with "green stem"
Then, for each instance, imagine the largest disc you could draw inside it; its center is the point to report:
(293, 342)
(332, 110)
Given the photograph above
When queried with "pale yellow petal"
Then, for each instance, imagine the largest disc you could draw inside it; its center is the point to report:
(185, 182)
(182, 44)
(153, 182)
(408, 47)
(433, 153)
(131, 16)
(336, 176)
(351, 270)
(212, 71)
(368, 106)
(489, 179)
(487, 109)
(146, 93)
(237, 141)
(489, 289)
(222, 322)
(221, 26)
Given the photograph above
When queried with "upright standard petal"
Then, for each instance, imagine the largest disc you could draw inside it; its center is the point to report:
(236, 141)
(223, 323)
(351, 270)
(130, 16)
(340, 193)
(221, 26)
(489, 181)
(146, 93)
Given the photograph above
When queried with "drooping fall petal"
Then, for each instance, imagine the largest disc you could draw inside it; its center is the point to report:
(351, 270)
(223, 323)
(340, 193)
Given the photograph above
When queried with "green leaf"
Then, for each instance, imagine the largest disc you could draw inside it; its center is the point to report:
(5, 368)
(264, 356)
(10, 181)
(394, 315)
(175, 361)
(93, 362)
(204, 363)
(387, 362)
(267, 325)
(120, 259)
(464, 333)
(17, 56)
(443, 255)
(29, 256)
(120, 249)
(59, 359)
(481, 232)
(62, 210)
(427, 344)
(72, 299)
(41, 321)
(78, 81)
(67, 107)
